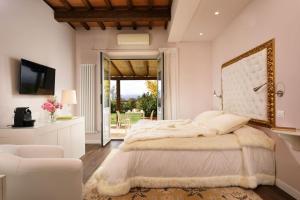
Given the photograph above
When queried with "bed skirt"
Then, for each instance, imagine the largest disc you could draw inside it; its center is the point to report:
(123, 185)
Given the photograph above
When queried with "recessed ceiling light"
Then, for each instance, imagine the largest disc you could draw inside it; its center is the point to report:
(217, 13)
(200, 34)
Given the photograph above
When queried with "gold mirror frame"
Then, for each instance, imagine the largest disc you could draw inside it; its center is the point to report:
(270, 47)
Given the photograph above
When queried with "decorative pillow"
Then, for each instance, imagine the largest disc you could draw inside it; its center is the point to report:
(204, 117)
(227, 123)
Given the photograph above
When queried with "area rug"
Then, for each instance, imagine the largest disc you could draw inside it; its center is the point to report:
(227, 193)
(230, 193)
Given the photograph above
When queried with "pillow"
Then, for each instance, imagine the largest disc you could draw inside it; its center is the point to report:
(227, 123)
(204, 117)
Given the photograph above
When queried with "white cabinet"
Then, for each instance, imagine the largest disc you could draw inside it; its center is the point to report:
(2, 187)
(70, 134)
(78, 140)
(46, 137)
(65, 140)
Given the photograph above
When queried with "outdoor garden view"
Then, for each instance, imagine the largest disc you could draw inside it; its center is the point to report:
(134, 106)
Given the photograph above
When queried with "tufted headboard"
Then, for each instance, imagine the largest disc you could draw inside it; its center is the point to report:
(248, 85)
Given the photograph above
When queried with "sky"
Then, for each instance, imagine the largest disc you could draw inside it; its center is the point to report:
(131, 87)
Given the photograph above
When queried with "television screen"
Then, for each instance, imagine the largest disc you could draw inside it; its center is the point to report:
(36, 78)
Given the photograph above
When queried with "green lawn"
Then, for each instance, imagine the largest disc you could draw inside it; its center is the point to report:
(134, 117)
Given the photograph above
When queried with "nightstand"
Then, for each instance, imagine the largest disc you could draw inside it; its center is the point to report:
(2, 187)
(291, 135)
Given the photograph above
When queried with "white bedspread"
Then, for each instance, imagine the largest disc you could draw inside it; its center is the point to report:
(121, 170)
(210, 164)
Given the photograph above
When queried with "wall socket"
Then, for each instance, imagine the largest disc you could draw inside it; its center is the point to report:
(280, 114)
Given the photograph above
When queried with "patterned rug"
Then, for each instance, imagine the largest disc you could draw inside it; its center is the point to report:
(230, 193)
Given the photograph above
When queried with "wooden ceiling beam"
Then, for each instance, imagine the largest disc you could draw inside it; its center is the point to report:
(118, 25)
(87, 4)
(116, 68)
(150, 25)
(49, 4)
(146, 64)
(113, 15)
(134, 26)
(108, 4)
(72, 25)
(129, 4)
(116, 8)
(66, 4)
(133, 78)
(131, 67)
(166, 25)
(101, 25)
(85, 25)
(150, 4)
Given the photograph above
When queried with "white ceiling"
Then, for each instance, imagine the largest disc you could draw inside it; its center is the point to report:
(182, 14)
(203, 19)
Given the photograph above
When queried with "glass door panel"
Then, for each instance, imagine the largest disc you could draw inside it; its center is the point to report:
(105, 99)
(160, 87)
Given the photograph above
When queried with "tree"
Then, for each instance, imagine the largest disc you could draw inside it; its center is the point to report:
(152, 87)
(147, 102)
(113, 92)
(128, 105)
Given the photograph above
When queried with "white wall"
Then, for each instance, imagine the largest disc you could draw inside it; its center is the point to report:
(195, 82)
(195, 78)
(258, 23)
(28, 30)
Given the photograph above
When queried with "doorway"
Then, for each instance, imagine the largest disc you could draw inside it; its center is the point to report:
(132, 90)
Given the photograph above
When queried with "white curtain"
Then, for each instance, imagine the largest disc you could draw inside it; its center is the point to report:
(171, 73)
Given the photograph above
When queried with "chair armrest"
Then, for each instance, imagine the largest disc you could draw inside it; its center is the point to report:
(40, 151)
(2, 187)
(46, 178)
(50, 166)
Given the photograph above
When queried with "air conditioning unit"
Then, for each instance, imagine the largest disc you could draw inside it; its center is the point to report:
(133, 39)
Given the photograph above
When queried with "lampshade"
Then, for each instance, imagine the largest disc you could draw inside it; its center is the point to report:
(68, 97)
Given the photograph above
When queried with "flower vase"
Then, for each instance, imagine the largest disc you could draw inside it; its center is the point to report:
(52, 117)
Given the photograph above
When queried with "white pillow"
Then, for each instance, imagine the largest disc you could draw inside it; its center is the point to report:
(227, 123)
(204, 117)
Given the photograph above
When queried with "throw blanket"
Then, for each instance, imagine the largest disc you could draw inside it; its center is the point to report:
(167, 129)
(218, 142)
(169, 140)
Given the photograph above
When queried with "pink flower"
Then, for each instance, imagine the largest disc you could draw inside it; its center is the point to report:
(51, 105)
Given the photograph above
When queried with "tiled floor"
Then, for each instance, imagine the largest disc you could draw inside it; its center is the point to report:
(117, 133)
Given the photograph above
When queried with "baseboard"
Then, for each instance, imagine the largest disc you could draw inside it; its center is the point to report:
(288, 189)
(92, 141)
(92, 138)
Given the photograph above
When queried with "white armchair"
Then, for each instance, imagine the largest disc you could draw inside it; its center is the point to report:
(36, 172)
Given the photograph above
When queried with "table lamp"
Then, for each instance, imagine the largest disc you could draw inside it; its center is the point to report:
(68, 98)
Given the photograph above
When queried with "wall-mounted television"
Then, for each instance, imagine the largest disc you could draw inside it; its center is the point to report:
(36, 79)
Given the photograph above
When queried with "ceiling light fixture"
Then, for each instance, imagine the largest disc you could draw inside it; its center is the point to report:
(217, 13)
(200, 34)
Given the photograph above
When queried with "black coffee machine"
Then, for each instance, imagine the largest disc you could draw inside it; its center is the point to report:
(23, 117)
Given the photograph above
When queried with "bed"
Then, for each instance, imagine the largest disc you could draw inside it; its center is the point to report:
(216, 149)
